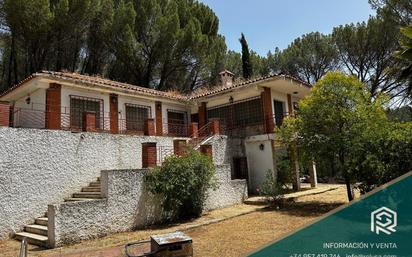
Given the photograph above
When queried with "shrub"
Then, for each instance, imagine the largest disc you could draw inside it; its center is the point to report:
(183, 182)
(274, 187)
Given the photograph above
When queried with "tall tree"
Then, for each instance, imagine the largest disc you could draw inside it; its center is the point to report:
(309, 57)
(28, 24)
(169, 44)
(260, 64)
(366, 51)
(246, 62)
(399, 11)
(337, 121)
(97, 50)
(406, 55)
(233, 63)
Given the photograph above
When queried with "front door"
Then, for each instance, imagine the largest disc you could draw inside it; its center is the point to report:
(279, 113)
(240, 170)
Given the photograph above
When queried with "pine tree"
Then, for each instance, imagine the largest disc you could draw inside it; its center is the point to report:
(246, 63)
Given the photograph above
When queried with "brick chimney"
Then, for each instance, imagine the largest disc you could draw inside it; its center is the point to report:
(226, 78)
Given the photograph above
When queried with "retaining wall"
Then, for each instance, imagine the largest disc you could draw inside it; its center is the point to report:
(40, 167)
(128, 205)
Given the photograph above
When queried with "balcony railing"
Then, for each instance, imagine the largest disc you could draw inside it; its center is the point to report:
(175, 128)
(65, 118)
(243, 128)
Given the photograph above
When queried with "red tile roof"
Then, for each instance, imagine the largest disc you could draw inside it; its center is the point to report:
(94, 80)
(222, 89)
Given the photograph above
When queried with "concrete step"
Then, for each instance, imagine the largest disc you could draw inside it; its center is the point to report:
(256, 200)
(91, 189)
(42, 221)
(94, 195)
(33, 239)
(95, 184)
(71, 199)
(36, 229)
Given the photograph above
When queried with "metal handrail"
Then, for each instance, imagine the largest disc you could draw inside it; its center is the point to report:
(202, 134)
(23, 248)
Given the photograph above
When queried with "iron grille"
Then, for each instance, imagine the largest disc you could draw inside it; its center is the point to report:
(79, 105)
(240, 114)
(136, 115)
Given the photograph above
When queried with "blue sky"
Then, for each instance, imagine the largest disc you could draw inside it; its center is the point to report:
(270, 23)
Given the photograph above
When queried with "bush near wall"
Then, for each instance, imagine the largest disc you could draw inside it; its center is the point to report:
(183, 182)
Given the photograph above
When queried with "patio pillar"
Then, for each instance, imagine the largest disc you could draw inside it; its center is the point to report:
(194, 130)
(266, 97)
(215, 126)
(89, 122)
(4, 114)
(290, 105)
(53, 106)
(312, 174)
(114, 114)
(159, 119)
(202, 111)
(149, 127)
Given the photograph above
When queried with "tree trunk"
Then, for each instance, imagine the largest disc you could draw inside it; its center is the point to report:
(349, 188)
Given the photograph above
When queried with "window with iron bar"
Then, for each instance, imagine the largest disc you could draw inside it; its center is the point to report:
(79, 105)
(136, 115)
(246, 112)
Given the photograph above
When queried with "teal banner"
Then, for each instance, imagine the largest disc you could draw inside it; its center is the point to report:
(377, 225)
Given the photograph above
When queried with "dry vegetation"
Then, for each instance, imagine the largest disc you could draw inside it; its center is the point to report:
(232, 237)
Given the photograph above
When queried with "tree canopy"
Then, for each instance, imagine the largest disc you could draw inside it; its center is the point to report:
(175, 44)
(246, 62)
(339, 122)
(333, 120)
(153, 43)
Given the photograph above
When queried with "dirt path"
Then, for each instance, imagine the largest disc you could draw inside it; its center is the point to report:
(252, 227)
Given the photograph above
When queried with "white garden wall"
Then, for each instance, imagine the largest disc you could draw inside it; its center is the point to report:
(40, 167)
(128, 205)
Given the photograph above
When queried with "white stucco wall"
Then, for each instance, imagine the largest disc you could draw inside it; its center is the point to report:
(259, 162)
(40, 167)
(228, 192)
(128, 205)
(31, 115)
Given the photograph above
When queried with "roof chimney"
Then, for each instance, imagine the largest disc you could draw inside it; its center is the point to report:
(226, 78)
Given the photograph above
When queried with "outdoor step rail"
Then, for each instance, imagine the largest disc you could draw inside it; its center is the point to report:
(163, 152)
(203, 133)
(23, 248)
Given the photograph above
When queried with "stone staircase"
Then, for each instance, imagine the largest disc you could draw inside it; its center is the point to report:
(36, 234)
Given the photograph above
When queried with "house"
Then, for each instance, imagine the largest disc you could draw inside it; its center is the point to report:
(249, 110)
(131, 123)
